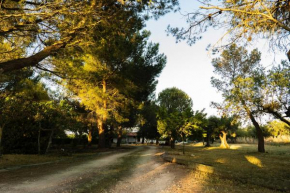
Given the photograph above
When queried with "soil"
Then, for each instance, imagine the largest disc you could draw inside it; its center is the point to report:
(140, 169)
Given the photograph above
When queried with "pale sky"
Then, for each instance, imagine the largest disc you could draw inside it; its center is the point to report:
(189, 67)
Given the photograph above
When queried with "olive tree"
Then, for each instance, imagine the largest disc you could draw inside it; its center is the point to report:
(238, 73)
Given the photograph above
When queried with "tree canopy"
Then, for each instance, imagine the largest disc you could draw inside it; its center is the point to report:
(45, 27)
(175, 113)
(245, 21)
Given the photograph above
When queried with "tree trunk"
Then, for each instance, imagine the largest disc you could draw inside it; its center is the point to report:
(1, 132)
(224, 143)
(261, 144)
(108, 137)
(90, 136)
(101, 131)
(103, 118)
(38, 140)
(49, 141)
(157, 140)
(119, 139)
(172, 143)
(207, 139)
(183, 151)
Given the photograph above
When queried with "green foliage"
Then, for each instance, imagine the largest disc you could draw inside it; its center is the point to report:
(47, 27)
(229, 124)
(148, 120)
(175, 113)
(248, 131)
(277, 128)
(107, 64)
(275, 85)
(212, 125)
(25, 119)
(26, 110)
(240, 77)
(238, 74)
(244, 21)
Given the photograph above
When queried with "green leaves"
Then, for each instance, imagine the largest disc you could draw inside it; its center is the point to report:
(175, 115)
(238, 79)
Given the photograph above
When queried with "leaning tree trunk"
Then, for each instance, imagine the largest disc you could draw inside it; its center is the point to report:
(172, 143)
(261, 143)
(1, 132)
(224, 143)
(49, 141)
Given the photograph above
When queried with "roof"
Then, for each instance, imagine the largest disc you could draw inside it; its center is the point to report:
(132, 134)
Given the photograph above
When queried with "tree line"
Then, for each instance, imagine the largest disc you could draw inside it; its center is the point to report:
(98, 55)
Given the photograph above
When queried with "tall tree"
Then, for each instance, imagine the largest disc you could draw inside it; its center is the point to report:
(212, 124)
(114, 77)
(175, 111)
(148, 121)
(237, 70)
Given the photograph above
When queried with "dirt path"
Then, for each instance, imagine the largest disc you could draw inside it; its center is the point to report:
(152, 174)
(137, 170)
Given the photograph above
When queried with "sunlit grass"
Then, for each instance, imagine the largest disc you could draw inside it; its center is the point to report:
(254, 160)
(144, 155)
(221, 160)
(241, 163)
(235, 146)
(200, 144)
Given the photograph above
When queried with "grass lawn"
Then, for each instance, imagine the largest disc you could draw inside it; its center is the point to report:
(15, 160)
(242, 163)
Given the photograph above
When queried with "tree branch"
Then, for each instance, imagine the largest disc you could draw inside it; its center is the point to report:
(33, 60)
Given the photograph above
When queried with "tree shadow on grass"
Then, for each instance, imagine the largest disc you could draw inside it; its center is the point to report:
(244, 166)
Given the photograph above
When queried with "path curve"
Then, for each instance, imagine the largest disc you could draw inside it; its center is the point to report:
(148, 173)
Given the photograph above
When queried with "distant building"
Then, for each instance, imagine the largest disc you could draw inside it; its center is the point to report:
(131, 135)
